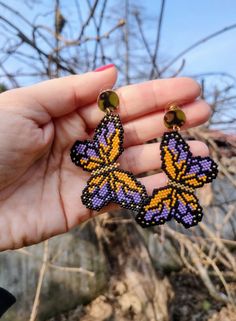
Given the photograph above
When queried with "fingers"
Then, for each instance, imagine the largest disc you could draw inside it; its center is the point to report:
(145, 98)
(61, 96)
(155, 181)
(143, 158)
(152, 126)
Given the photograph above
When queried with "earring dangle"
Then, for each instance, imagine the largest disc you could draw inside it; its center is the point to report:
(107, 183)
(185, 173)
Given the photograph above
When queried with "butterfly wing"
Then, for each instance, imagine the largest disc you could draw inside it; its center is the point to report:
(97, 193)
(108, 138)
(180, 166)
(128, 191)
(167, 203)
(187, 209)
(86, 155)
(158, 209)
(174, 154)
(115, 186)
(105, 148)
(200, 170)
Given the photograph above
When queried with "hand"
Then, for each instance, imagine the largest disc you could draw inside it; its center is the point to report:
(40, 188)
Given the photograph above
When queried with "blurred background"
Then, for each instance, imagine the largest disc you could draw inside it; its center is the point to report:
(109, 269)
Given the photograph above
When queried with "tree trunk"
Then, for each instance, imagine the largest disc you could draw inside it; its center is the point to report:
(135, 292)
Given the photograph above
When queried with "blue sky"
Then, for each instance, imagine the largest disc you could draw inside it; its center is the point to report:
(185, 22)
(188, 21)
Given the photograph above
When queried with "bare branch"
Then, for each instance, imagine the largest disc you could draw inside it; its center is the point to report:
(196, 44)
(42, 272)
(157, 44)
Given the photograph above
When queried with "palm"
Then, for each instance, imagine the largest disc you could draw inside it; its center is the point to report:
(41, 188)
(45, 199)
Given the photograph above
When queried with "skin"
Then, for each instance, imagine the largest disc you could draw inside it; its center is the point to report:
(40, 187)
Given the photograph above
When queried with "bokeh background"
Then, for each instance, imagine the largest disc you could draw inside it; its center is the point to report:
(108, 268)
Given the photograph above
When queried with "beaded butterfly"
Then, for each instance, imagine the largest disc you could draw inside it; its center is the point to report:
(107, 183)
(185, 174)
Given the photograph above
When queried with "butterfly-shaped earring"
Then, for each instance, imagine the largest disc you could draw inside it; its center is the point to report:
(107, 183)
(185, 173)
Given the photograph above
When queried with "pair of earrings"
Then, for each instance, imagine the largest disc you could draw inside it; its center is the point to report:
(108, 183)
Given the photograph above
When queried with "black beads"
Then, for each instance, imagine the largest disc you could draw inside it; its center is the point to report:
(108, 101)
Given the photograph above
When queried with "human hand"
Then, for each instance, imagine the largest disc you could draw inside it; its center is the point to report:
(40, 188)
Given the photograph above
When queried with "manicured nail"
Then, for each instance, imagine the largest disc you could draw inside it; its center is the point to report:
(104, 67)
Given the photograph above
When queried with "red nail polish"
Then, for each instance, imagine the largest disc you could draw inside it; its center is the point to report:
(104, 67)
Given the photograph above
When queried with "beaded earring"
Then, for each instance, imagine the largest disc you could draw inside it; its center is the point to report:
(185, 173)
(107, 183)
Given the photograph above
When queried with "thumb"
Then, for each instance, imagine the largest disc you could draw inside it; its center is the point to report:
(61, 96)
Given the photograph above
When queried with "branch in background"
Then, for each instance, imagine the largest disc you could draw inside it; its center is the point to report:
(59, 23)
(106, 35)
(196, 254)
(181, 67)
(157, 44)
(145, 42)
(16, 13)
(77, 4)
(127, 43)
(32, 44)
(196, 44)
(11, 77)
(42, 272)
(91, 14)
(71, 269)
(99, 41)
(215, 73)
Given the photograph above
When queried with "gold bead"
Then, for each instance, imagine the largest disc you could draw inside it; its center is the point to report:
(174, 117)
(108, 100)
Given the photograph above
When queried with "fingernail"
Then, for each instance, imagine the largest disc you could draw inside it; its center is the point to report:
(104, 67)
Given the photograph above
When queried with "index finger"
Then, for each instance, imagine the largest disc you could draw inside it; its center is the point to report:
(145, 98)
